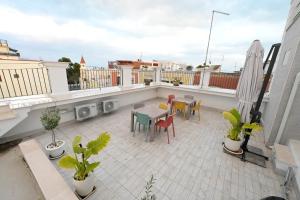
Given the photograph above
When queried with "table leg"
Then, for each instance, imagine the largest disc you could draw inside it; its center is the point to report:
(151, 136)
(189, 112)
(132, 121)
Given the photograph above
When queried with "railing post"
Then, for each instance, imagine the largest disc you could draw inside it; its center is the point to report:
(205, 76)
(157, 75)
(57, 76)
(126, 76)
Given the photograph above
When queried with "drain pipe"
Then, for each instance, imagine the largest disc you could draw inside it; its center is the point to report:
(288, 108)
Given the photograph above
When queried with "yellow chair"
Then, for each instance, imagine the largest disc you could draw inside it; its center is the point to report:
(179, 106)
(163, 106)
(197, 107)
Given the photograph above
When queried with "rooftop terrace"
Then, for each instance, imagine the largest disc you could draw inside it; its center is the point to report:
(192, 166)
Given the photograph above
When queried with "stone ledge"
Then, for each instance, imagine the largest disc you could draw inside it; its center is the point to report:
(51, 183)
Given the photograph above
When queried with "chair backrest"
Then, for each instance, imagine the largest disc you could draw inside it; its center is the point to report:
(179, 105)
(170, 98)
(138, 105)
(169, 120)
(142, 118)
(163, 106)
(189, 97)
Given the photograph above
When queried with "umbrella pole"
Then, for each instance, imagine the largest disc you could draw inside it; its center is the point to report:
(256, 114)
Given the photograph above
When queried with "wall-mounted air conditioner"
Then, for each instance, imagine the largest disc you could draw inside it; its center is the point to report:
(110, 105)
(86, 111)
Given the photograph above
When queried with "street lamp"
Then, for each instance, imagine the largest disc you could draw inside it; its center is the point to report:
(211, 23)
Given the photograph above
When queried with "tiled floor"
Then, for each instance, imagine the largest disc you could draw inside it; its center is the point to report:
(192, 166)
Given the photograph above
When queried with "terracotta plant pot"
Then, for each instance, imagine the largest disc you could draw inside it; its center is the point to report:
(55, 151)
(84, 187)
(232, 145)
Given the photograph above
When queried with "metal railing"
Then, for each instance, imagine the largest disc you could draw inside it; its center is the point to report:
(224, 80)
(97, 78)
(16, 82)
(185, 77)
(139, 76)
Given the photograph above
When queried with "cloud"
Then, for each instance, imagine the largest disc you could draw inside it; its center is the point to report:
(160, 29)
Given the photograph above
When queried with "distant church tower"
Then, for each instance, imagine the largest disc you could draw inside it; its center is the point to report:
(82, 63)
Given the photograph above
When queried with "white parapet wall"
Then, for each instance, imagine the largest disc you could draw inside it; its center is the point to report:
(218, 99)
(67, 102)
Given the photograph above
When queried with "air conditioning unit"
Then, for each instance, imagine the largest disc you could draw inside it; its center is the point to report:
(109, 105)
(86, 111)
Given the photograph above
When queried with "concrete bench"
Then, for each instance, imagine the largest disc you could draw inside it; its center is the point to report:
(51, 183)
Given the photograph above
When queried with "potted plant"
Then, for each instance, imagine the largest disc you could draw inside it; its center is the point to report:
(176, 81)
(147, 82)
(50, 119)
(83, 180)
(233, 141)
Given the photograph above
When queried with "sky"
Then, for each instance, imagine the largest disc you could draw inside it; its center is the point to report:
(173, 30)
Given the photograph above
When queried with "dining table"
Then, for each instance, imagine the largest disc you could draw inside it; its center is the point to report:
(152, 111)
(189, 102)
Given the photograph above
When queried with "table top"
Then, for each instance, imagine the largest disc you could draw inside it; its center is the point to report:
(185, 100)
(153, 111)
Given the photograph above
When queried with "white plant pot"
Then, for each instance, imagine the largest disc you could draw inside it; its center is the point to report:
(83, 188)
(232, 145)
(55, 151)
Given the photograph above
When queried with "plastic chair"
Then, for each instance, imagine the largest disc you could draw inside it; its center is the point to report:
(179, 106)
(144, 120)
(189, 97)
(197, 107)
(170, 98)
(165, 124)
(163, 106)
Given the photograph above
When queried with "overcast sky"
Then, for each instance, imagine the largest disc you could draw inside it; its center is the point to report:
(177, 30)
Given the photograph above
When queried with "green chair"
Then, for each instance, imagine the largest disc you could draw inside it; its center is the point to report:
(144, 120)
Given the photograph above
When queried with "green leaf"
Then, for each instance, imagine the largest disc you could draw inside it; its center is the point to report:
(255, 127)
(236, 114)
(88, 153)
(67, 162)
(91, 167)
(231, 118)
(75, 144)
(95, 146)
(76, 140)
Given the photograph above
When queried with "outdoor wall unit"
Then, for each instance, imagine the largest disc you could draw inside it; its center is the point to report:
(85, 111)
(109, 105)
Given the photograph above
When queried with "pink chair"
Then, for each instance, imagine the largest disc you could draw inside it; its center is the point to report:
(165, 124)
(170, 98)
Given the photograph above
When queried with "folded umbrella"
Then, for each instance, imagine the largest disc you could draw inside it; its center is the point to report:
(251, 80)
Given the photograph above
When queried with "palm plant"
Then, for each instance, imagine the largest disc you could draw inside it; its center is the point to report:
(79, 161)
(50, 119)
(234, 117)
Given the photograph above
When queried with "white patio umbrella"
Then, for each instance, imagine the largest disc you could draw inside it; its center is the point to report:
(251, 80)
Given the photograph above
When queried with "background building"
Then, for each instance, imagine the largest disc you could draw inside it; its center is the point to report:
(8, 53)
(135, 64)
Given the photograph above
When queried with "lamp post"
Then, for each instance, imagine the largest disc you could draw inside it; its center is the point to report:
(211, 23)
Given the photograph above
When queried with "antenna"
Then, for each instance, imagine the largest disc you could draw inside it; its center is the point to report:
(141, 56)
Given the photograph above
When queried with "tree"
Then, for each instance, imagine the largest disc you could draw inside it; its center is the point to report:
(200, 66)
(189, 68)
(73, 70)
